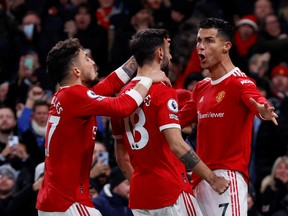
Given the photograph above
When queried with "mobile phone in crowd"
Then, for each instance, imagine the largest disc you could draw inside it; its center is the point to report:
(13, 140)
(103, 157)
(28, 63)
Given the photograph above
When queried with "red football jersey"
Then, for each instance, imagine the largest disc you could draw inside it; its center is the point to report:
(70, 135)
(225, 118)
(159, 176)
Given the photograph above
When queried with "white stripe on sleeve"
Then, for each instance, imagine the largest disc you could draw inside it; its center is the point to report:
(173, 125)
(136, 96)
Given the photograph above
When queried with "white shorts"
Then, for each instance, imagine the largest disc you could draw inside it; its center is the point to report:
(231, 203)
(74, 210)
(186, 205)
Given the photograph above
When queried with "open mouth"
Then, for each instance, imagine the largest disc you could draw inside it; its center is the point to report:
(202, 57)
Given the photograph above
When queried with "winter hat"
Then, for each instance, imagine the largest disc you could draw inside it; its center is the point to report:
(8, 171)
(116, 177)
(249, 20)
(279, 70)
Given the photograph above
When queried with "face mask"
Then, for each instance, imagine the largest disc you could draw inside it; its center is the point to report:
(28, 30)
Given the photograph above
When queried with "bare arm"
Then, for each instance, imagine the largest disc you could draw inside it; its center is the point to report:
(130, 66)
(123, 159)
(191, 160)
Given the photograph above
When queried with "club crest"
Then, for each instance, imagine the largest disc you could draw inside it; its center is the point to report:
(220, 96)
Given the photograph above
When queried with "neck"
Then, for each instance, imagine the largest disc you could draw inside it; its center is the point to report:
(149, 69)
(70, 83)
(220, 69)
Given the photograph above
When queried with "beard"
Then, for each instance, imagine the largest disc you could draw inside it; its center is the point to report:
(165, 65)
(6, 130)
(90, 83)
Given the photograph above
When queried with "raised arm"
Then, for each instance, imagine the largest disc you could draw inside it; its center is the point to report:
(122, 105)
(117, 79)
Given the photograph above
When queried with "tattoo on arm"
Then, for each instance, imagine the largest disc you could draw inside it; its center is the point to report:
(190, 159)
(130, 67)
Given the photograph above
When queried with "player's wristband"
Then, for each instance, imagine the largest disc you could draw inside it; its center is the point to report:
(122, 75)
(146, 82)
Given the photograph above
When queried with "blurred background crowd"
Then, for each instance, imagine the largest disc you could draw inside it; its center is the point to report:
(30, 28)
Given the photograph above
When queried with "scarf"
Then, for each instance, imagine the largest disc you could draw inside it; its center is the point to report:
(38, 129)
(243, 46)
(102, 16)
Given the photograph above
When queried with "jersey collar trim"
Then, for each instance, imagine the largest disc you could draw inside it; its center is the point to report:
(62, 87)
(215, 82)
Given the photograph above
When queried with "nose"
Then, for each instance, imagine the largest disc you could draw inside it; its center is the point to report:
(92, 61)
(200, 46)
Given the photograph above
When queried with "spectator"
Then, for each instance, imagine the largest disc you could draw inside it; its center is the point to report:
(3, 92)
(113, 199)
(159, 11)
(38, 179)
(274, 187)
(91, 35)
(30, 73)
(100, 170)
(124, 27)
(272, 40)
(8, 123)
(261, 9)
(11, 203)
(180, 11)
(103, 12)
(268, 136)
(34, 116)
(32, 37)
(245, 38)
(258, 65)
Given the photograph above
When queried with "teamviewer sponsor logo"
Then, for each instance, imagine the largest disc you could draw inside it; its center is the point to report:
(210, 115)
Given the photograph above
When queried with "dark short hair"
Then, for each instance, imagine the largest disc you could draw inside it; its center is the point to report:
(224, 28)
(59, 58)
(144, 43)
(38, 103)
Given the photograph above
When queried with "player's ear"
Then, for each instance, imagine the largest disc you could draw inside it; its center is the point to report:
(76, 72)
(227, 46)
(160, 52)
